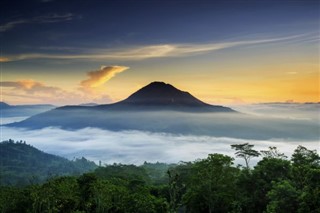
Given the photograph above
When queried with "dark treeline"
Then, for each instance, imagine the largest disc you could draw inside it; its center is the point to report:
(275, 185)
(22, 164)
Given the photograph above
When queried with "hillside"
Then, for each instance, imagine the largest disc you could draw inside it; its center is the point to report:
(8, 110)
(22, 164)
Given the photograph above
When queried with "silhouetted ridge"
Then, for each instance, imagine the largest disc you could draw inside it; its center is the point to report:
(144, 110)
(4, 105)
(160, 93)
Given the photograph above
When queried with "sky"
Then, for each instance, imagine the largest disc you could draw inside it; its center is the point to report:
(223, 52)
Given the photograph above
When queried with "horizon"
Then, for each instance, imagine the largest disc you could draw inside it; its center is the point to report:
(112, 102)
(224, 53)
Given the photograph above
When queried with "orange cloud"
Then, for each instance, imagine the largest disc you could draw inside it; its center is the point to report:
(39, 92)
(36, 92)
(4, 59)
(99, 77)
(30, 86)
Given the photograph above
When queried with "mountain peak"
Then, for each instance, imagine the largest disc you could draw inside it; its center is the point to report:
(158, 84)
(161, 93)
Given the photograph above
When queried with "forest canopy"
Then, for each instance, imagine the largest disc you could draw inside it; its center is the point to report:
(214, 184)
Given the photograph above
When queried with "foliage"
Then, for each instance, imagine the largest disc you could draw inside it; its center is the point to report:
(213, 184)
(157, 172)
(282, 197)
(272, 153)
(22, 164)
(211, 187)
(245, 151)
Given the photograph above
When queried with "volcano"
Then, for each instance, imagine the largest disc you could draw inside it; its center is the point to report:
(143, 109)
(161, 96)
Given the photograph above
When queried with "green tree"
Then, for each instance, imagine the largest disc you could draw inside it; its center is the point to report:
(305, 157)
(282, 198)
(306, 177)
(267, 171)
(57, 195)
(245, 151)
(309, 196)
(178, 178)
(14, 199)
(212, 185)
(273, 153)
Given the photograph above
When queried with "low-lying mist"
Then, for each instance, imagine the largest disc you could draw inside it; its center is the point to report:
(233, 125)
(292, 111)
(198, 135)
(135, 147)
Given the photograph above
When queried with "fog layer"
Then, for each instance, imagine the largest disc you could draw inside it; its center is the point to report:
(286, 131)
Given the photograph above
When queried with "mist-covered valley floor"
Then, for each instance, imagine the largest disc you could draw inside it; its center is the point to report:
(291, 124)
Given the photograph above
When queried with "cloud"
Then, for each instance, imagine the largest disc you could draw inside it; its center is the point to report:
(291, 73)
(285, 110)
(139, 146)
(49, 18)
(30, 86)
(135, 147)
(92, 89)
(54, 18)
(3, 59)
(36, 91)
(150, 51)
(98, 78)
(9, 25)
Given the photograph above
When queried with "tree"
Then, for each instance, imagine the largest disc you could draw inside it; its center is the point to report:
(245, 151)
(309, 197)
(57, 195)
(283, 198)
(178, 177)
(267, 171)
(212, 185)
(86, 184)
(273, 153)
(303, 156)
(306, 176)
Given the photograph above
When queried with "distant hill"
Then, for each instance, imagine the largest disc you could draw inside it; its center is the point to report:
(22, 164)
(88, 104)
(4, 105)
(159, 96)
(8, 110)
(136, 112)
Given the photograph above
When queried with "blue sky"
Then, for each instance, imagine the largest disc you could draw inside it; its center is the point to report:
(56, 43)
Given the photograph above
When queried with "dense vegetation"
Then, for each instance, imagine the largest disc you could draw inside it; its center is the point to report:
(214, 184)
(21, 164)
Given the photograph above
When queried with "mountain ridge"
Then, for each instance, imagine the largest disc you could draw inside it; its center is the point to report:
(159, 96)
(143, 110)
(2, 103)
(8, 110)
